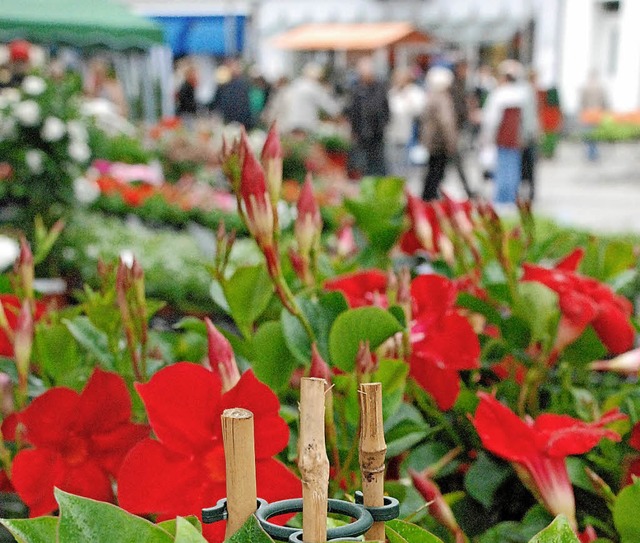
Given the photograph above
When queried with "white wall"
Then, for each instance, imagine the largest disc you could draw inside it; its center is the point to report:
(625, 95)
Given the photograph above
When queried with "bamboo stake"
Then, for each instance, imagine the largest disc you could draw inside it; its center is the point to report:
(240, 461)
(372, 453)
(312, 461)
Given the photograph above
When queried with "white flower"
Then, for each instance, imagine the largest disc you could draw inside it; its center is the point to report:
(27, 113)
(34, 159)
(77, 130)
(53, 129)
(9, 251)
(79, 151)
(127, 257)
(85, 190)
(11, 95)
(34, 85)
(7, 127)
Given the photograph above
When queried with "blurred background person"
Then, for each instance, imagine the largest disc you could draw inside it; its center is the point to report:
(102, 83)
(368, 113)
(276, 107)
(231, 99)
(406, 102)
(593, 102)
(509, 120)
(530, 144)
(460, 98)
(438, 130)
(306, 99)
(186, 103)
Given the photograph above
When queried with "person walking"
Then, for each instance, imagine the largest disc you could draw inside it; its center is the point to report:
(368, 113)
(509, 120)
(460, 98)
(438, 131)
(530, 145)
(406, 102)
(231, 100)
(186, 103)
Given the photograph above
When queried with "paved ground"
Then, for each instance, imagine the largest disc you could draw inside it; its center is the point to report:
(603, 196)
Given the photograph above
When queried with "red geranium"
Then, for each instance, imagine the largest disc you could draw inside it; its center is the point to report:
(183, 470)
(537, 449)
(585, 301)
(11, 305)
(362, 288)
(442, 341)
(78, 442)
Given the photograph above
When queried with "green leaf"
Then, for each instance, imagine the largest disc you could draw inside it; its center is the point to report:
(57, 351)
(272, 362)
(95, 341)
(248, 292)
(91, 521)
(479, 306)
(392, 375)
(537, 305)
(171, 526)
(321, 314)
(559, 531)
(625, 513)
(399, 531)
(355, 325)
(484, 478)
(405, 429)
(34, 530)
(186, 532)
(251, 532)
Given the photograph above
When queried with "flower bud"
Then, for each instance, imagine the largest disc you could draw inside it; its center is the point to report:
(308, 224)
(319, 368)
(345, 241)
(300, 265)
(232, 158)
(221, 358)
(23, 340)
(627, 363)
(23, 267)
(420, 222)
(271, 159)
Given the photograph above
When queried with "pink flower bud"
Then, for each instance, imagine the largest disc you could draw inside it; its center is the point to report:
(6, 396)
(420, 222)
(346, 241)
(221, 358)
(319, 368)
(23, 267)
(23, 341)
(438, 508)
(271, 159)
(254, 196)
(627, 363)
(299, 264)
(308, 224)
(364, 361)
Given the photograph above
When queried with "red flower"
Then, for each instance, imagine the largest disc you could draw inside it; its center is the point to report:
(585, 301)
(537, 449)
(79, 442)
(184, 469)
(11, 305)
(361, 288)
(443, 341)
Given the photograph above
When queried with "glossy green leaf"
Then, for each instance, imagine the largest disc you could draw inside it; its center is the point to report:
(356, 325)
(559, 531)
(321, 312)
(626, 515)
(251, 532)
(91, 521)
(399, 531)
(248, 292)
(57, 351)
(186, 532)
(35, 530)
(484, 478)
(272, 361)
(94, 340)
(171, 525)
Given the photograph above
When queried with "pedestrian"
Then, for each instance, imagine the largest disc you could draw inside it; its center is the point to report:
(406, 102)
(368, 113)
(231, 100)
(460, 98)
(509, 120)
(438, 129)
(306, 99)
(593, 102)
(530, 144)
(103, 84)
(186, 104)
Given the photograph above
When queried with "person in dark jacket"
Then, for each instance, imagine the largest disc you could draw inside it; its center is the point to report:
(368, 113)
(231, 100)
(186, 104)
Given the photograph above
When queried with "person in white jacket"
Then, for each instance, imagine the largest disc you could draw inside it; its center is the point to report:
(509, 122)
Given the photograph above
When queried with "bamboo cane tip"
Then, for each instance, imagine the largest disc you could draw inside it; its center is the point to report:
(313, 380)
(237, 413)
(365, 386)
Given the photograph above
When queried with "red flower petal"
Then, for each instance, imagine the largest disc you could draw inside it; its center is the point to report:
(154, 479)
(182, 403)
(87, 480)
(614, 329)
(49, 417)
(276, 482)
(362, 288)
(33, 475)
(433, 295)
(110, 448)
(442, 384)
(104, 403)
(502, 432)
(634, 440)
(270, 430)
(571, 261)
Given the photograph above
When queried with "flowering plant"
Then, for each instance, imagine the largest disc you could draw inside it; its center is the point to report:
(44, 142)
(508, 362)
